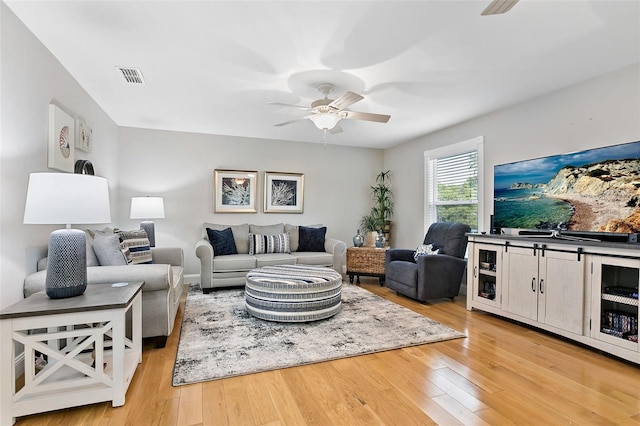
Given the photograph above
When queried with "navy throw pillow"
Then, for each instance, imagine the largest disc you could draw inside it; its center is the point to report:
(222, 241)
(311, 239)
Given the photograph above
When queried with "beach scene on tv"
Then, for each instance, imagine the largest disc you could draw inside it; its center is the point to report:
(596, 190)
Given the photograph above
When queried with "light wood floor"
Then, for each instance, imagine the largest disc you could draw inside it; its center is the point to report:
(502, 373)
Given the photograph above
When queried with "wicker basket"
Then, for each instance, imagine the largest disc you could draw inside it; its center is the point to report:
(366, 260)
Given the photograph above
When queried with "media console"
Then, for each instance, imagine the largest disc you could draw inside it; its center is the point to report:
(586, 291)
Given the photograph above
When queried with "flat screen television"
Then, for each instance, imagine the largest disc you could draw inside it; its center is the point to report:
(596, 191)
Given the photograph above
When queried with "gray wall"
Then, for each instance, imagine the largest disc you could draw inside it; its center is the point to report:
(597, 112)
(31, 79)
(180, 167)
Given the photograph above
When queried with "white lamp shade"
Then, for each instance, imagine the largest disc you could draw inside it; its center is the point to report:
(325, 120)
(147, 208)
(67, 198)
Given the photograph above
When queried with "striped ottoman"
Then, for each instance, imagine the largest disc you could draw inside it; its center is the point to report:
(293, 293)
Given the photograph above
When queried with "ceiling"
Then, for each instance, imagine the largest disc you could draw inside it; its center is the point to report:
(214, 66)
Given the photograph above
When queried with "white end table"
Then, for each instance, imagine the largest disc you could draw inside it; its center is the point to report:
(71, 333)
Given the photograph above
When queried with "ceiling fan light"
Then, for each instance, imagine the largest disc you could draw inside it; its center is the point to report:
(325, 120)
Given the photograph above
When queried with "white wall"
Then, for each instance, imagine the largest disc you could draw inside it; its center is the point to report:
(179, 167)
(598, 112)
(31, 79)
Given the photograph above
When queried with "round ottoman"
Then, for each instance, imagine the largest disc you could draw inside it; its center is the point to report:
(293, 293)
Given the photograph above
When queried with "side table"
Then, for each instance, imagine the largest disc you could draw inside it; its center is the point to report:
(90, 355)
(366, 261)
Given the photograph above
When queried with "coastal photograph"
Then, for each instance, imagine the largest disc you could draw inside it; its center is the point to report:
(596, 190)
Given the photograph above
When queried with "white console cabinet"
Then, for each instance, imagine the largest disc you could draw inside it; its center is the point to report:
(581, 290)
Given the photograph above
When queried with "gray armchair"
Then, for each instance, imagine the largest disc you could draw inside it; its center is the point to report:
(431, 276)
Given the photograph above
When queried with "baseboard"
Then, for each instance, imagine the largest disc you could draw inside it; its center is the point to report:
(191, 278)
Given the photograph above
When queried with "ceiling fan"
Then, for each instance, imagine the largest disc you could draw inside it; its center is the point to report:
(326, 113)
(496, 7)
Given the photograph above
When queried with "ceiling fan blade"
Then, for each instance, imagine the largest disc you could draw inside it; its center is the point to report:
(345, 100)
(496, 7)
(290, 105)
(290, 122)
(367, 116)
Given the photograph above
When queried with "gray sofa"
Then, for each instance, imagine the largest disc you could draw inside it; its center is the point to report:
(163, 285)
(230, 270)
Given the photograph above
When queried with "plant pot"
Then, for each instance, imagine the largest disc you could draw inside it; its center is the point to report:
(370, 238)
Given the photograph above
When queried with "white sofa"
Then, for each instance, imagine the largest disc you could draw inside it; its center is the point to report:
(230, 270)
(163, 285)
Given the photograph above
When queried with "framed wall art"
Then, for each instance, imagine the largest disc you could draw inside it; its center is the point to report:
(283, 192)
(235, 191)
(84, 136)
(60, 148)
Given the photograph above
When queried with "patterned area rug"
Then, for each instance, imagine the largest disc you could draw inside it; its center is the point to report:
(219, 339)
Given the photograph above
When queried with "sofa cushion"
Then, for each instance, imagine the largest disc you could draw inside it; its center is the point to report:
(234, 262)
(222, 241)
(240, 235)
(107, 249)
(277, 243)
(278, 228)
(271, 259)
(314, 258)
(135, 246)
(311, 239)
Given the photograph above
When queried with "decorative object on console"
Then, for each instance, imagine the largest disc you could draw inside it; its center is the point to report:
(84, 136)
(235, 191)
(358, 239)
(60, 148)
(147, 208)
(84, 167)
(60, 198)
(283, 192)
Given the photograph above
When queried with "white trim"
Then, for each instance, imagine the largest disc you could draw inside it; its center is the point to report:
(477, 144)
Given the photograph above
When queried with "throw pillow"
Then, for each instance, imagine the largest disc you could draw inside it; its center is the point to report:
(135, 246)
(311, 239)
(107, 249)
(425, 250)
(277, 243)
(222, 241)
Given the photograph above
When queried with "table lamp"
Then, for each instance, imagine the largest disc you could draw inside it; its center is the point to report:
(67, 198)
(147, 208)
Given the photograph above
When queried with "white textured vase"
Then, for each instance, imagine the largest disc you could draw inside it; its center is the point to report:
(370, 238)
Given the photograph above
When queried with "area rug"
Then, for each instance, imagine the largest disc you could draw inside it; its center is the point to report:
(219, 339)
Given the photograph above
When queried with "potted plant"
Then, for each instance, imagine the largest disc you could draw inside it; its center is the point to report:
(379, 219)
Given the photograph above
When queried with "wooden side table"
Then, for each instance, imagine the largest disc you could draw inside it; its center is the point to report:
(366, 261)
(70, 333)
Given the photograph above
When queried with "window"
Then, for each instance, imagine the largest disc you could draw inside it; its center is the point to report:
(453, 182)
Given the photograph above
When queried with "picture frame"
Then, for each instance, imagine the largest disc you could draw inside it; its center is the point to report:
(61, 140)
(84, 136)
(283, 192)
(235, 191)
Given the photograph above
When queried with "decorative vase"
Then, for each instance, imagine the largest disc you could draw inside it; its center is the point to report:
(380, 240)
(358, 239)
(370, 238)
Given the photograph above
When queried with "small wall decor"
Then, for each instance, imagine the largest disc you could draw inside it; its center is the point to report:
(84, 136)
(84, 167)
(60, 149)
(283, 192)
(235, 191)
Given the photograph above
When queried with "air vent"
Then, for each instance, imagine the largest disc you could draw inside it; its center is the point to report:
(131, 75)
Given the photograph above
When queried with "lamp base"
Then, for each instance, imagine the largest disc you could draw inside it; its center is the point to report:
(67, 266)
(149, 227)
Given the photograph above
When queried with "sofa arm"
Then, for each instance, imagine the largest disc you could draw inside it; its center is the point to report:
(405, 255)
(173, 256)
(204, 252)
(338, 249)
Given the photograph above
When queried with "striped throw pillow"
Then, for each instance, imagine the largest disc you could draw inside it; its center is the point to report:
(277, 243)
(135, 246)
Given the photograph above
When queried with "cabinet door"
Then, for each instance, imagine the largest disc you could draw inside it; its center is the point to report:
(561, 290)
(520, 273)
(486, 274)
(614, 283)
